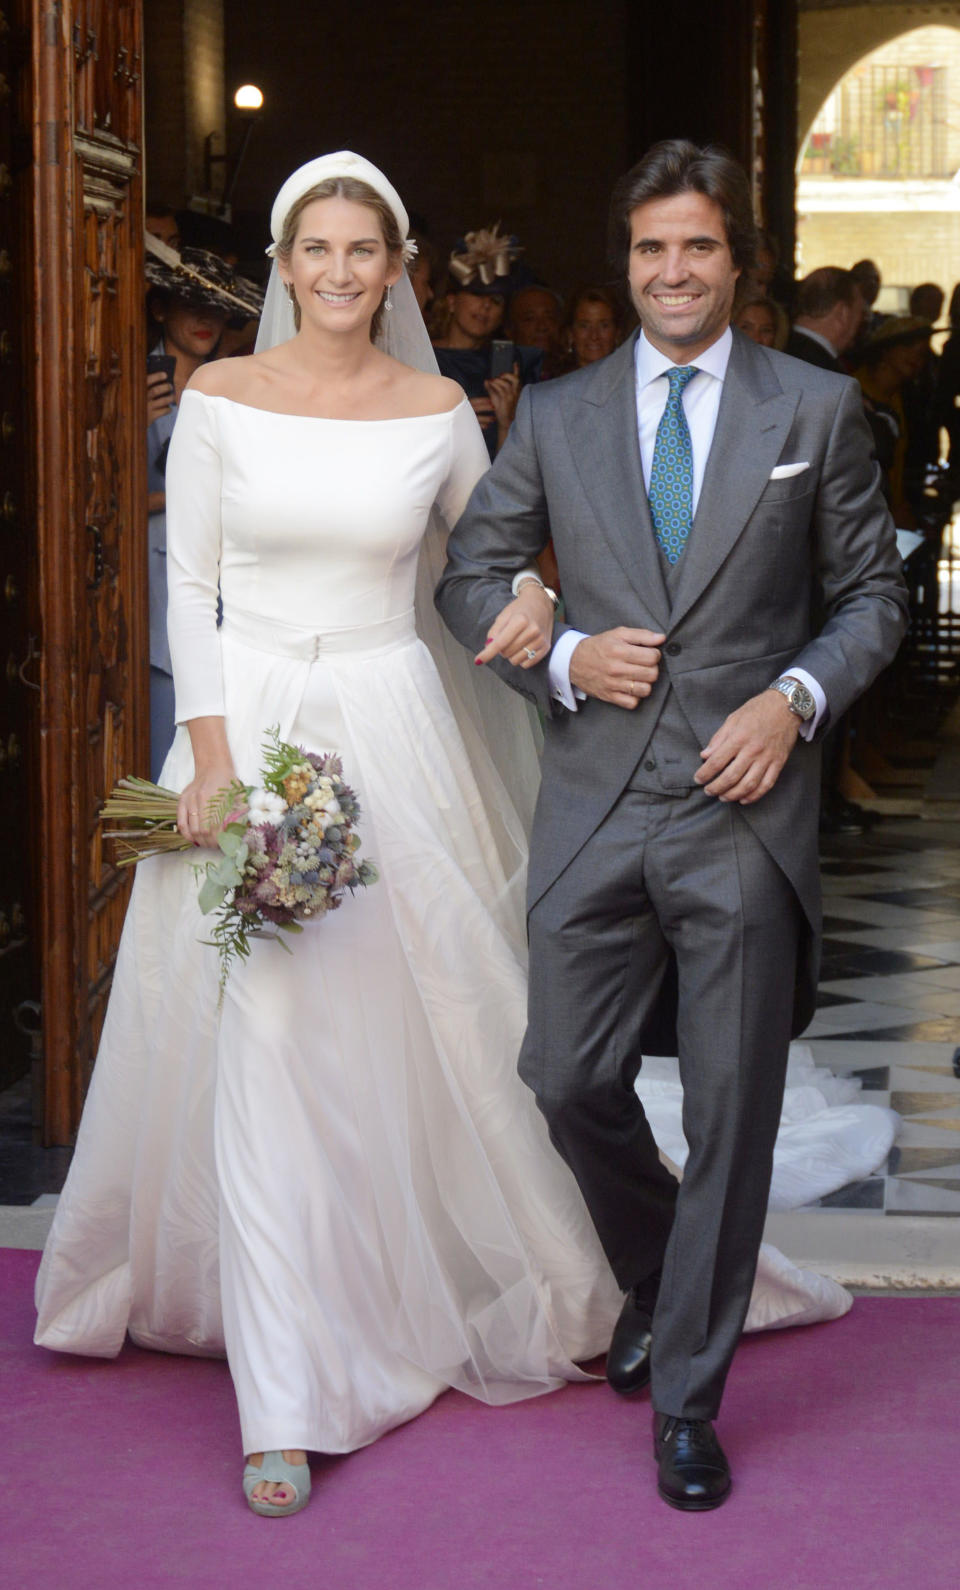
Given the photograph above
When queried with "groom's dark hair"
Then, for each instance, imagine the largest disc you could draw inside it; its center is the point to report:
(677, 166)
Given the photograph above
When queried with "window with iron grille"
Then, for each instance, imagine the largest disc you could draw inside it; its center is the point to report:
(883, 121)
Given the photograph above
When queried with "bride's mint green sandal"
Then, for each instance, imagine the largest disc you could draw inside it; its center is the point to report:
(278, 1471)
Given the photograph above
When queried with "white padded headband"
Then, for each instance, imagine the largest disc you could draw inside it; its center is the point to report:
(342, 164)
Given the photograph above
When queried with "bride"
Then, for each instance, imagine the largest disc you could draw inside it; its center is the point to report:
(341, 1181)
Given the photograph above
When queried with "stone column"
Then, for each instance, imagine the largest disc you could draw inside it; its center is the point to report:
(184, 99)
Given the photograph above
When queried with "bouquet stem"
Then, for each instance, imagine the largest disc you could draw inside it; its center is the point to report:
(150, 814)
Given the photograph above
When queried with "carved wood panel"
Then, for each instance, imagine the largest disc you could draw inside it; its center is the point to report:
(91, 510)
(19, 987)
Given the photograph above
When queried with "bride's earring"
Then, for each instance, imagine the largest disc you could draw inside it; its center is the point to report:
(388, 301)
(290, 292)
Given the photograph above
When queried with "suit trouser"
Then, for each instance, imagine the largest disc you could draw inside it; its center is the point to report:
(162, 715)
(685, 875)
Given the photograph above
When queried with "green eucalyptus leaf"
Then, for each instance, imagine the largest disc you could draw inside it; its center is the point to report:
(211, 895)
(224, 872)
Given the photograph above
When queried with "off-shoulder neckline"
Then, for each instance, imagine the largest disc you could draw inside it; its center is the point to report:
(323, 419)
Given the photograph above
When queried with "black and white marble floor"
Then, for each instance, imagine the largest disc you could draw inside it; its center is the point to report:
(889, 1012)
(889, 1003)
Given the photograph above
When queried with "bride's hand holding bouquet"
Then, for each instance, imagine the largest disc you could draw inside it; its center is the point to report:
(286, 851)
(214, 773)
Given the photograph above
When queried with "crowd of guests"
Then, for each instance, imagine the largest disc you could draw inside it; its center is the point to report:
(910, 395)
(497, 325)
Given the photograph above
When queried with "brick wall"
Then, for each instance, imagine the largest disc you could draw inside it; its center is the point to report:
(164, 85)
(502, 111)
(920, 248)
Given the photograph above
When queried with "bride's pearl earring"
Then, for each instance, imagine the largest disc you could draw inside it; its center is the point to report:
(290, 292)
(388, 301)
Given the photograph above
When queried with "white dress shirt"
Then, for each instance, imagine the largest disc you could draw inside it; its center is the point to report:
(701, 404)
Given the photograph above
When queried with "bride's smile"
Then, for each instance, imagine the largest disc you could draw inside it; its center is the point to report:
(339, 267)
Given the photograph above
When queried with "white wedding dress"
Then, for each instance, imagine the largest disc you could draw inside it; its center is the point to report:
(341, 1180)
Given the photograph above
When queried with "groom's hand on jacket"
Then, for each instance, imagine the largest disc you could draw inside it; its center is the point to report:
(745, 757)
(618, 665)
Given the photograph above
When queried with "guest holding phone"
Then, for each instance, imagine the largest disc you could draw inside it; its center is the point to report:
(483, 273)
(191, 298)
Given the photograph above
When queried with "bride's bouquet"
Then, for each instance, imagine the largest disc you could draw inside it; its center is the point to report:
(288, 847)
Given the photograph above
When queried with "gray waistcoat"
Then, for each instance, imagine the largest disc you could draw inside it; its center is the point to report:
(672, 755)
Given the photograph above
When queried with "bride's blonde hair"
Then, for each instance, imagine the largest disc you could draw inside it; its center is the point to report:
(359, 193)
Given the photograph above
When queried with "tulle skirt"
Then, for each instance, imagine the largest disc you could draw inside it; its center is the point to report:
(340, 1179)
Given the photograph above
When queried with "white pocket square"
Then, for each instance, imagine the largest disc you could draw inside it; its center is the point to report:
(784, 471)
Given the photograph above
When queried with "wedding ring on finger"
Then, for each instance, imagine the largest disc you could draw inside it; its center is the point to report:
(531, 652)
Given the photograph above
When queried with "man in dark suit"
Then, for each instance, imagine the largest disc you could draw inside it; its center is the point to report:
(830, 311)
(702, 492)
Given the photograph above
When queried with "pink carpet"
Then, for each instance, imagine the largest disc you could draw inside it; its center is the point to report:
(845, 1442)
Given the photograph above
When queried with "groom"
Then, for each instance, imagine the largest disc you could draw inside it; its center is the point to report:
(705, 496)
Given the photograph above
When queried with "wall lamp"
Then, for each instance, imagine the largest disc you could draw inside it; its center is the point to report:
(248, 101)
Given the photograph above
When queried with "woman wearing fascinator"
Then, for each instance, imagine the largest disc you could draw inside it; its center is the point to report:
(484, 271)
(340, 1181)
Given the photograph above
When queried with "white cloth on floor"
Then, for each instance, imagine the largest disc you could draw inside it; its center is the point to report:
(827, 1137)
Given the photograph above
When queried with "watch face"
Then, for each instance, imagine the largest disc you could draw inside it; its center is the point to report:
(802, 701)
(799, 697)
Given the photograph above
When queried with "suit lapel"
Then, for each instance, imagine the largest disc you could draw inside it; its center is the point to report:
(753, 422)
(601, 420)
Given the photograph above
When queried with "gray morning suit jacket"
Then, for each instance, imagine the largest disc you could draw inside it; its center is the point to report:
(762, 556)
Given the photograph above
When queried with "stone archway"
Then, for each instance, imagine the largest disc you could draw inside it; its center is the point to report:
(878, 181)
(832, 38)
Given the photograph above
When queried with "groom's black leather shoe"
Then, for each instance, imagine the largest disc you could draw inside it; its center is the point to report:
(628, 1357)
(693, 1473)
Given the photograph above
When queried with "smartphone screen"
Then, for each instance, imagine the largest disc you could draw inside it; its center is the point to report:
(502, 358)
(165, 362)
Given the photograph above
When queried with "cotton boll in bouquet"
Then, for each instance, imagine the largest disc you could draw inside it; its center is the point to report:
(288, 846)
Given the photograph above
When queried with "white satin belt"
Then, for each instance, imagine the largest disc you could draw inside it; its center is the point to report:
(290, 640)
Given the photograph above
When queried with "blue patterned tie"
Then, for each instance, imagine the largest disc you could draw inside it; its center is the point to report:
(671, 474)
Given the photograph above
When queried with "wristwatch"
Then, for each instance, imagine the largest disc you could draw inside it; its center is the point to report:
(531, 579)
(797, 697)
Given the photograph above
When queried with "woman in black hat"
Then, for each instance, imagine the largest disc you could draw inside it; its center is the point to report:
(191, 298)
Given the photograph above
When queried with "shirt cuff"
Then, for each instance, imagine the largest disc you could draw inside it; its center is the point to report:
(558, 670)
(531, 573)
(808, 729)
